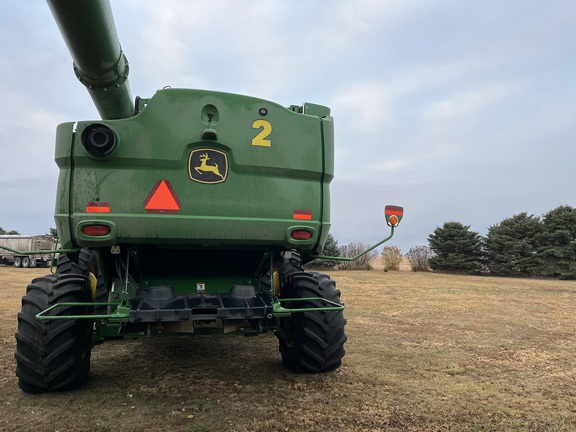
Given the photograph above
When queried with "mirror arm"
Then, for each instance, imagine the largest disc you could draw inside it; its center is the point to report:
(334, 258)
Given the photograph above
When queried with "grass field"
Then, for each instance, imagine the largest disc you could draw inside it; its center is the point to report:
(425, 352)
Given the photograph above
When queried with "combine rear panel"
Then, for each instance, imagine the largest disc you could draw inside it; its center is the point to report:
(198, 168)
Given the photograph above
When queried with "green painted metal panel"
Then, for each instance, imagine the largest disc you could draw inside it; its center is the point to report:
(63, 157)
(267, 171)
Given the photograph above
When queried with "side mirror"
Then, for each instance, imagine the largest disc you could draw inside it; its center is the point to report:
(393, 215)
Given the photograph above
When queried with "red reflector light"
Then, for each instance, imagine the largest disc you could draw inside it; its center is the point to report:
(96, 230)
(302, 214)
(98, 207)
(301, 235)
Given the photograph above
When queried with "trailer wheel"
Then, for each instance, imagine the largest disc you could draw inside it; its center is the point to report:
(53, 355)
(312, 342)
(17, 262)
(26, 262)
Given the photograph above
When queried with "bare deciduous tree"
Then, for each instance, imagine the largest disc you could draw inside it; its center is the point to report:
(353, 249)
(418, 257)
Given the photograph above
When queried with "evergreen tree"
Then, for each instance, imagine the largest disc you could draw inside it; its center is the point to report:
(330, 249)
(456, 249)
(558, 244)
(512, 246)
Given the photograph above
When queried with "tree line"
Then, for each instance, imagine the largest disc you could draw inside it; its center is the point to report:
(523, 246)
(11, 232)
(53, 232)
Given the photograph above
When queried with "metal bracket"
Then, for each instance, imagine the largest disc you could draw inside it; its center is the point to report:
(278, 310)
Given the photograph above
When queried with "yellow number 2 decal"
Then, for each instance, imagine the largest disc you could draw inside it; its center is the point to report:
(265, 130)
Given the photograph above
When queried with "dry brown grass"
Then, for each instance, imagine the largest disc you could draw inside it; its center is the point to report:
(425, 352)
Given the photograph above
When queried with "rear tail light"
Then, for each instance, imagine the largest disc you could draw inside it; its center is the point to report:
(96, 230)
(301, 235)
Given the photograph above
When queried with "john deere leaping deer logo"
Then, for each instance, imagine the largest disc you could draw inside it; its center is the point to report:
(208, 166)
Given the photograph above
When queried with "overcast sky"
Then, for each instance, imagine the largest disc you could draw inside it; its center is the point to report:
(457, 110)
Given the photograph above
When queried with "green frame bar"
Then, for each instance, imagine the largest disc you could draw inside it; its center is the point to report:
(116, 316)
(122, 313)
(279, 310)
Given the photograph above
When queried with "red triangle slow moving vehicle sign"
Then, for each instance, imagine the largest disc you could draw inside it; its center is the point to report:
(162, 199)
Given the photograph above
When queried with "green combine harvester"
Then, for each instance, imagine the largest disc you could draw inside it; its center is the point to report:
(191, 212)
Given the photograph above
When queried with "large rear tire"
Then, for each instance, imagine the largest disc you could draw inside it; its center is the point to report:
(311, 342)
(53, 355)
(87, 265)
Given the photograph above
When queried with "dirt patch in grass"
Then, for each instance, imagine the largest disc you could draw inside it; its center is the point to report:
(424, 352)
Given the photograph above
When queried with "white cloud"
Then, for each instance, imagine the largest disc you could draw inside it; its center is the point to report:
(350, 21)
(390, 166)
(373, 105)
(465, 103)
(367, 105)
